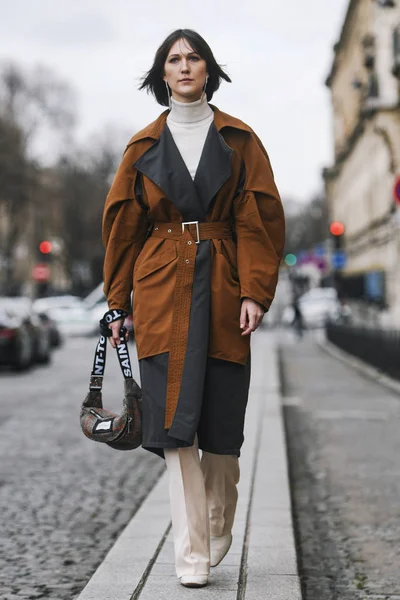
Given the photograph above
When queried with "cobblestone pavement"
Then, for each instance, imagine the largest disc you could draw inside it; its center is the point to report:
(344, 456)
(63, 498)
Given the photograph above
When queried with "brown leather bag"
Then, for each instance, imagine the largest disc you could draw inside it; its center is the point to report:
(124, 431)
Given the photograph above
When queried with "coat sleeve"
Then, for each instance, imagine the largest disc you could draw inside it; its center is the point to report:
(125, 226)
(260, 226)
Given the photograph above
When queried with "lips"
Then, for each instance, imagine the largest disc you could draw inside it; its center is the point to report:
(183, 80)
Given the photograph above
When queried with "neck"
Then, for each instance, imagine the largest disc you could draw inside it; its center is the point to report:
(189, 112)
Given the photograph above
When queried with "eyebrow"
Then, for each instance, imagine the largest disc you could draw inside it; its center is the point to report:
(188, 54)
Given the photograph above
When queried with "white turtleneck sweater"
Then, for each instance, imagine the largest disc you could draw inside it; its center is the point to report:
(189, 124)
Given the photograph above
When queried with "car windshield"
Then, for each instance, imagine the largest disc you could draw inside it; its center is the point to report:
(4, 315)
(95, 297)
(57, 302)
(320, 294)
(311, 299)
(15, 306)
(68, 316)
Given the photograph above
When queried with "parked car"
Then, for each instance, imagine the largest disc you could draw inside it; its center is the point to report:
(319, 305)
(56, 339)
(73, 321)
(39, 331)
(68, 312)
(16, 344)
(23, 338)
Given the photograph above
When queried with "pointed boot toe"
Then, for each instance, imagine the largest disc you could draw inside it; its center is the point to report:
(219, 546)
(194, 581)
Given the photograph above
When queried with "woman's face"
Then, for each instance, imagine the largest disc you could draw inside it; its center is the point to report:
(185, 72)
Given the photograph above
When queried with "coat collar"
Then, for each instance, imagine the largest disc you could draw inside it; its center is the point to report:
(155, 129)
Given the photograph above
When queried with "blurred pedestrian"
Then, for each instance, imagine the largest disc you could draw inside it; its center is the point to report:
(298, 320)
(193, 223)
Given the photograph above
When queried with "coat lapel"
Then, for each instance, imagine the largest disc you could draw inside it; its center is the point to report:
(163, 164)
(214, 167)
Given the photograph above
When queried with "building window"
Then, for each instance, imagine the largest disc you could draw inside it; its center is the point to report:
(373, 85)
(396, 52)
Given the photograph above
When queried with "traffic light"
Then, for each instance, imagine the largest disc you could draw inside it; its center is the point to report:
(339, 256)
(290, 260)
(45, 247)
(45, 254)
(337, 231)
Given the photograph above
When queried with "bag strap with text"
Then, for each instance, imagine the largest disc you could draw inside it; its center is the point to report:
(99, 363)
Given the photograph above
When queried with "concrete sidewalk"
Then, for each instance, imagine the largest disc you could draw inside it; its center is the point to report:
(261, 564)
(344, 447)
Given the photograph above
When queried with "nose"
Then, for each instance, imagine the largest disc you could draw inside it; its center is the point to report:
(185, 66)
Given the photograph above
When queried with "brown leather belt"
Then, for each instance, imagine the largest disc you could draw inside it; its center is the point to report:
(189, 234)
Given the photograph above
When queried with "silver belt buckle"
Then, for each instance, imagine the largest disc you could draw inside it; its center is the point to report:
(197, 229)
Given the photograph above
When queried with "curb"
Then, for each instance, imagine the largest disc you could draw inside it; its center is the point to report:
(359, 365)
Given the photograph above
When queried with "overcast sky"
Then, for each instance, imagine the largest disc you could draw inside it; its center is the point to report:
(277, 52)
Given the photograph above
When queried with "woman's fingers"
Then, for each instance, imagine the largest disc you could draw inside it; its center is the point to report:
(244, 319)
(115, 327)
(251, 316)
(243, 315)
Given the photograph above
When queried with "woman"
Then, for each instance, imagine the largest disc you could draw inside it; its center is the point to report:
(194, 225)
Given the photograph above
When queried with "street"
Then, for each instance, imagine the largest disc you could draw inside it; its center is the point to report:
(63, 498)
(343, 445)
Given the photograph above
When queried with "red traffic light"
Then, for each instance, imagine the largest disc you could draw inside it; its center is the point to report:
(45, 247)
(336, 228)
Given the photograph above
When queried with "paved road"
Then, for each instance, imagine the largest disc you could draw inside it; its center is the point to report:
(344, 453)
(63, 498)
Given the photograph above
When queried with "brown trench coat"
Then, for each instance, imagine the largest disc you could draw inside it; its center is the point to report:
(235, 186)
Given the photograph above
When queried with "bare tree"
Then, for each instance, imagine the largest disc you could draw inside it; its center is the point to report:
(84, 183)
(308, 227)
(30, 104)
(35, 101)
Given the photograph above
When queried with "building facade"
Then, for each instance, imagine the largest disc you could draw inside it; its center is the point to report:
(364, 83)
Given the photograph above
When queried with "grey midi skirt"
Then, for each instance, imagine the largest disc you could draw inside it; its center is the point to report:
(217, 417)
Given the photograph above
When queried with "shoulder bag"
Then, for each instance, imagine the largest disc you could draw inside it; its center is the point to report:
(124, 431)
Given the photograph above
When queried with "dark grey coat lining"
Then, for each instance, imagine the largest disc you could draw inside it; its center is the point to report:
(163, 164)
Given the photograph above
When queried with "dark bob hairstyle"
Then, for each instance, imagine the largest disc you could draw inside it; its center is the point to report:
(153, 81)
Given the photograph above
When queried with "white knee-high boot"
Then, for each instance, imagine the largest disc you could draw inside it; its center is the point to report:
(189, 511)
(221, 476)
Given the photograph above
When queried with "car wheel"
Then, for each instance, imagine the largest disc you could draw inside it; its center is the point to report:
(45, 352)
(23, 353)
(45, 357)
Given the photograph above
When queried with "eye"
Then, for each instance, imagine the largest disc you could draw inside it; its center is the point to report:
(195, 58)
(173, 60)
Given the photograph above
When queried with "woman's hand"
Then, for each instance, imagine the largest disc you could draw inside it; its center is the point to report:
(251, 315)
(115, 326)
